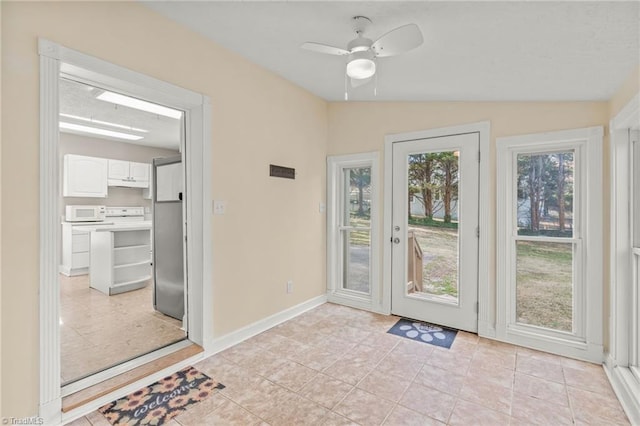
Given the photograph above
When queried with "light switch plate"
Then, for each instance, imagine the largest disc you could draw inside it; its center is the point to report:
(322, 207)
(219, 207)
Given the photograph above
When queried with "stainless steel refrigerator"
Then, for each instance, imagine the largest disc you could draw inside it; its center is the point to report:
(168, 237)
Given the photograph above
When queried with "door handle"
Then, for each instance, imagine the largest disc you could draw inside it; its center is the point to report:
(396, 240)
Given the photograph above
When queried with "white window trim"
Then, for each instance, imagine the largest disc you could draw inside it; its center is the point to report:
(335, 292)
(622, 303)
(587, 342)
(54, 61)
(486, 305)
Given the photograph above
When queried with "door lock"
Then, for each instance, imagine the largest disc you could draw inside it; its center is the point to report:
(396, 228)
(396, 240)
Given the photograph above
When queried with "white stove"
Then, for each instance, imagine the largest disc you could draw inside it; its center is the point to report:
(119, 215)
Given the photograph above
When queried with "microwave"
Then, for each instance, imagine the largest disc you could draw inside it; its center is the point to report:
(85, 213)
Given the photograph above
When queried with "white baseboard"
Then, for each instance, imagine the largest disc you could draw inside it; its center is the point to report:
(223, 342)
(627, 389)
(69, 272)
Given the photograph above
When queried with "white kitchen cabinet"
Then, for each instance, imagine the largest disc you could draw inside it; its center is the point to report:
(84, 176)
(128, 174)
(120, 259)
(118, 170)
(75, 250)
(139, 171)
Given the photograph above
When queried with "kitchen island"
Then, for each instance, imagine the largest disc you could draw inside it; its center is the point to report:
(120, 256)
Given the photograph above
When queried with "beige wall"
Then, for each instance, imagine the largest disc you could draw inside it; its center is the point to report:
(94, 147)
(361, 127)
(272, 230)
(625, 92)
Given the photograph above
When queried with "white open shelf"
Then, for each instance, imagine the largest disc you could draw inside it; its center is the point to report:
(121, 260)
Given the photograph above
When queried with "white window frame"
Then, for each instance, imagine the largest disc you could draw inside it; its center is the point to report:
(623, 294)
(585, 342)
(335, 205)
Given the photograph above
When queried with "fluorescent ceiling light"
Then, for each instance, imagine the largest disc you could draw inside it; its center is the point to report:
(97, 131)
(130, 102)
(105, 123)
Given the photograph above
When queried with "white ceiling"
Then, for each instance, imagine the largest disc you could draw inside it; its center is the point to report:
(475, 51)
(80, 100)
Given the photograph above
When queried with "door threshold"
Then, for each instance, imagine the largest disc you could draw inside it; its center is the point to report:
(123, 367)
(177, 352)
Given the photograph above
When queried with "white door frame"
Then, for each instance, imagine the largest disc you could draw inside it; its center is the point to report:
(486, 306)
(54, 60)
(617, 361)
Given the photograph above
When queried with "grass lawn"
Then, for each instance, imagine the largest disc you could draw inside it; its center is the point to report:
(360, 238)
(544, 276)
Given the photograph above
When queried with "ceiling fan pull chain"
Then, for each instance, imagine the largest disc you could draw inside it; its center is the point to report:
(375, 85)
(346, 87)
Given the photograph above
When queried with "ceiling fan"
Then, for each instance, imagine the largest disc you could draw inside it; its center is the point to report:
(363, 52)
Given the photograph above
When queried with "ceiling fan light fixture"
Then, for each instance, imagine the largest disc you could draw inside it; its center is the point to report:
(361, 65)
(362, 52)
(361, 68)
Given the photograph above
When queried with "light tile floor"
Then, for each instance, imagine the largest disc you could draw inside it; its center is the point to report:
(98, 331)
(337, 366)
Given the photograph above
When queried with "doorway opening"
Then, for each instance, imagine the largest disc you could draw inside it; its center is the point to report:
(437, 228)
(55, 62)
(113, 306)
(435, 220)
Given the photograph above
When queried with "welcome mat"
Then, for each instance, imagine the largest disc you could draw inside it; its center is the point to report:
(163, 400)
(424, 332)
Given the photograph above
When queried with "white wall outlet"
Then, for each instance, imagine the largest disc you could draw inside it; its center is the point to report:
(289, 286)
(219, 207)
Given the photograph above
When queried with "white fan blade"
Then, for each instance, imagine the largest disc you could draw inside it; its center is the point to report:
(357, 82)
(323, 48)
(397, 41)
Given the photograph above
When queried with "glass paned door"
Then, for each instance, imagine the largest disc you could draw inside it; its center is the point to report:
(546, 240)
(355, 229)
(435, 226)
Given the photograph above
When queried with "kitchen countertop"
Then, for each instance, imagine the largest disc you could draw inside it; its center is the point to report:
(116, 227)
(83, 224)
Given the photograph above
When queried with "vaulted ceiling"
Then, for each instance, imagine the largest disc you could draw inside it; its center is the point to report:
(473, 51)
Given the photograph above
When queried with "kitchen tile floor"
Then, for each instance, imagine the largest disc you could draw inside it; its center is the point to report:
(98, 331)
(337, 366)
